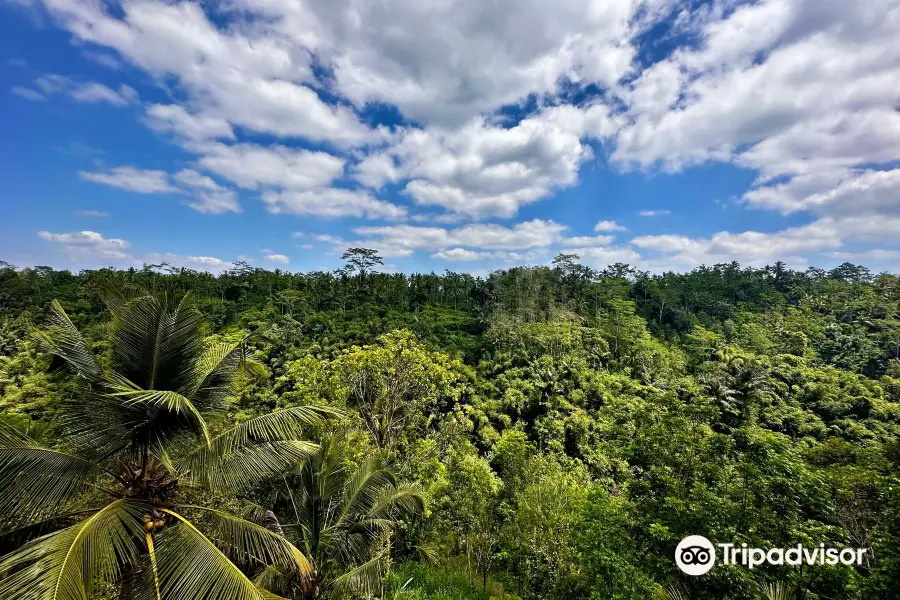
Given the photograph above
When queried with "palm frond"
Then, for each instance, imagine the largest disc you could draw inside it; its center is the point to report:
(409, 499)
(364, 580)
(669, 593)
(256, 449)
(256, 542)
(244, 466)
(38, 482)
(191, 566)
(64, 341)
(284, 424)
(365, 486)
(778, 591)
(69, 564)
(150, 344)
(209, 379)
(160, 400)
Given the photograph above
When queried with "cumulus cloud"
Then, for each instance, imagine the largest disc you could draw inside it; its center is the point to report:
(89, 241)
(447, 62)
(88, 92)
(599, 257)
(464, 255)
(198, 263)
(249, 76)
(826, 235)
(253, 166)
(331, 203)
(608, 226)
(529, 234)
(588, 240)
(175, 119)
(839, 192)
(458, 254)
(91, 248)
(484, 170)
(142, 181)
(875, 254)
(654, 213)
(207, 196)
(277, 258)
(278, 98)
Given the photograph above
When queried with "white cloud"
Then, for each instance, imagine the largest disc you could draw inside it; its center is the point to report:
(749, 247)
(209, 196)
(97, 92)
(198, 263)
(88, 241)
(91, 248)
(175, 119)
(53, 84)
(331, 202)
(460, 254)
(88, 92)
(802, 93)
(278, 258)
(407, 238)
(129, 178)
(767, 71)
(588, 240)
(443, 63)
(875, 254)
(27, 93)
(483, 170)
(654, 213)
(825, 235)
(464, 255)
(608, 226)
(839, 192)
(330, 239)
(93, 213)
(253, 166)
(247, 74)
(599, 258)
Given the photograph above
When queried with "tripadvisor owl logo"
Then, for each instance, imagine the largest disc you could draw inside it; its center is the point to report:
(695, 555)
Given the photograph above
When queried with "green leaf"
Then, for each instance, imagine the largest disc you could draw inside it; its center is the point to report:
(253, 541)
(191, 566)
(69, 564)
(37, 482)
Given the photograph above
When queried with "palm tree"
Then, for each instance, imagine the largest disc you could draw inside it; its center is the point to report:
(112, 501)
(343, 517)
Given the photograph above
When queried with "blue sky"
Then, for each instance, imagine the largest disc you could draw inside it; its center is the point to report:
(458, 135)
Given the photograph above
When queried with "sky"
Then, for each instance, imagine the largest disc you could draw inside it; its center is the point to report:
(449, 134)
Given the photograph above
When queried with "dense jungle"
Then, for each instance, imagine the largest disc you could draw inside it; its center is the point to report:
(547, 432)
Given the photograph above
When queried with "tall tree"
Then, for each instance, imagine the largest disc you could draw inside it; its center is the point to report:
(361, 260)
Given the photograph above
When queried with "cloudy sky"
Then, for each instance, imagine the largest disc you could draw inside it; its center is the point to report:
(450, 134)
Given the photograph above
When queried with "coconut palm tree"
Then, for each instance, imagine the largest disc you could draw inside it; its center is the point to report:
(115, 502)
(342, 518)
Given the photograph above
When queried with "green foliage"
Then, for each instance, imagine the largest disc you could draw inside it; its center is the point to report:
(564, 429)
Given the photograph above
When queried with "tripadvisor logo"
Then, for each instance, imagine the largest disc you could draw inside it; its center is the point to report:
(696, 555)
